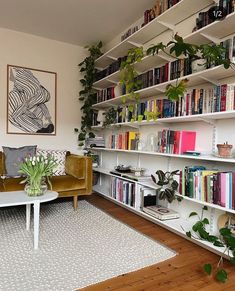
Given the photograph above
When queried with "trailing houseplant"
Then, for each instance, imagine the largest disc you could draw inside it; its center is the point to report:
(225, 239)
(88, 93)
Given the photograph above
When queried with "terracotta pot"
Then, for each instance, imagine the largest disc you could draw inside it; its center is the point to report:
(224, 150)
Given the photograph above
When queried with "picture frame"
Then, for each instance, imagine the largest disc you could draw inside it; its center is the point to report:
(31, 101)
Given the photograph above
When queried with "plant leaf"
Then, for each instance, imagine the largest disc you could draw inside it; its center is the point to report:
(218, 243)
(208, 269)
(189, 234)
(205, 221)
(193, 214)
(154, 179)
(225, 231)
(205, 207)
(221, 275)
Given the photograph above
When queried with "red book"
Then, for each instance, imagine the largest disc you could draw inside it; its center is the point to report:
(187, 141)
(176, 142)
(223, 93)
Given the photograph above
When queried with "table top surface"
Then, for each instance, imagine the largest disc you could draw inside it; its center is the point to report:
(12, 198)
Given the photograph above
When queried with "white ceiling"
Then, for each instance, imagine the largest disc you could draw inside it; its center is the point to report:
(78, 22)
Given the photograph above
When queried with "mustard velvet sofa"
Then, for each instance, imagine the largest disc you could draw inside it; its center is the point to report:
(77, 181)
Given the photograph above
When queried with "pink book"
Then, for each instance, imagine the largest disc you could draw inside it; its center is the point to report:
(187, 141)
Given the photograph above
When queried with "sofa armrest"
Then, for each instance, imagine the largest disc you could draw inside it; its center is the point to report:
(80, 167)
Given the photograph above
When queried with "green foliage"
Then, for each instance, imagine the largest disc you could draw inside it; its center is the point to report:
(226, 240)
(213, 55)
(88, 94)
(110, 116)
(164, 179)
(174, 92)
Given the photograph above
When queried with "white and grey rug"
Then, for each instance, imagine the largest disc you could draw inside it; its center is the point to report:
(76, 248)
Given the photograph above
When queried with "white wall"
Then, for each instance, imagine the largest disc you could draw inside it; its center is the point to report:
(40, 53)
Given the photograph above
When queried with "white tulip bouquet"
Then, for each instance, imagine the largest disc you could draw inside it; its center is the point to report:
(36, 169)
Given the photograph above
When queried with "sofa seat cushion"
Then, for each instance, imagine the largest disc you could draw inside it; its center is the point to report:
(67, 183)
(13, 184)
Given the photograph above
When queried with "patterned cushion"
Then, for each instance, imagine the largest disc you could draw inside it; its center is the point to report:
(59, 155)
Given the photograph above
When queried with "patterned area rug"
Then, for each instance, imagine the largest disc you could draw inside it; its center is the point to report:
(76, 248)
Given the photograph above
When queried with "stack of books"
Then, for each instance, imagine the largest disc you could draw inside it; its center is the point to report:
(97, 142)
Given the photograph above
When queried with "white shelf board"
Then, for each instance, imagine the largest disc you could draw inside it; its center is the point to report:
(207, 117)
(200, 158)
(183, 10)
(216, 30)
(173, 225)
(141, 36)
(107, 81)
(107, 172)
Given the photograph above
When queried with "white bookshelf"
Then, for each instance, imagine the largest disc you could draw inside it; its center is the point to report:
(213, 128)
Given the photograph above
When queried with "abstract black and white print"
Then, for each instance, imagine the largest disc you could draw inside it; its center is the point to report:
(31, 101)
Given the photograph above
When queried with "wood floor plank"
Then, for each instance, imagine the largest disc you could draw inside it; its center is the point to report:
(182, 273)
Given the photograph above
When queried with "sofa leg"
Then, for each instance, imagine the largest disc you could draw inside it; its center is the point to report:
(75, 202)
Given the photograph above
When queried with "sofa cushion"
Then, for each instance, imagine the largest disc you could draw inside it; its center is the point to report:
(59, 155)
(67, 183)
(14, 156)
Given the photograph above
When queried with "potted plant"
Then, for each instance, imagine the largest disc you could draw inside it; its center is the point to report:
(168, 185)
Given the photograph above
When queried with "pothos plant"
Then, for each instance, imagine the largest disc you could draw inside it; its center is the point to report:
(129, 78)
(168, 185)
(225, 239)
(88, 93)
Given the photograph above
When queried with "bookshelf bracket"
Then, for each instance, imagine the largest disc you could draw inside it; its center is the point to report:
(134, 43)
(214, 82)
(111, 57)
(212, 38)
(170, 26)
(209, 121)
(159, 89)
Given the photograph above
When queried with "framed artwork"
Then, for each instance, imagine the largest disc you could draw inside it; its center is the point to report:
(31, 101)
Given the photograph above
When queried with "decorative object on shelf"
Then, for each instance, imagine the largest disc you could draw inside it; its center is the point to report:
(168, 185)
(225, 240)
(224, 150)
(227, 220)
(37, 170)
(123, 169)
(152, 142)
(88, 93)
(198, 65)
(94, 157)
(138, 171)
(101, 117)
(140, 144)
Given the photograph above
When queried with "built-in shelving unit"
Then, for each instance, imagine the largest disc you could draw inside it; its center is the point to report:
(218, 124)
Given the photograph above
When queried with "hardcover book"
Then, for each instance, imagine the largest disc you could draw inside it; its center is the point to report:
(161, 212)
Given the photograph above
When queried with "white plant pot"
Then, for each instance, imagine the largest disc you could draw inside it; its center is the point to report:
(198, 65)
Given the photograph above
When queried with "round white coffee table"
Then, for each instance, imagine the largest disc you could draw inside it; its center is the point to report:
(14, 198)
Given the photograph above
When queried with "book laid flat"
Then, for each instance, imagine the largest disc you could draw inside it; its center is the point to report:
(130, 176)
(161, 212)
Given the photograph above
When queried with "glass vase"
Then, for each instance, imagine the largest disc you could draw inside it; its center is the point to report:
(36, 188)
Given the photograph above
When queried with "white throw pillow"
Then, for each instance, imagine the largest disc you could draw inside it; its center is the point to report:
(59, 155)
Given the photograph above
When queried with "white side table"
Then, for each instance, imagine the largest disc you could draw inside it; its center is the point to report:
(14, 198)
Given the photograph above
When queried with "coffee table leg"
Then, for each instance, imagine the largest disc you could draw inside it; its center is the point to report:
(28, 211)
(36, 223)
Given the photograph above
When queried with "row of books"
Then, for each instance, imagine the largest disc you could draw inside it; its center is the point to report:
(210, 186)
(175, 141)
(180, 68)
(124, 141)
(149, 14)
(195, 101)
(123, 191)
(204, 18)
(113, 67)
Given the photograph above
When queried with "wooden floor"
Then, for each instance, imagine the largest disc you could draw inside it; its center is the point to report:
(183, 272)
